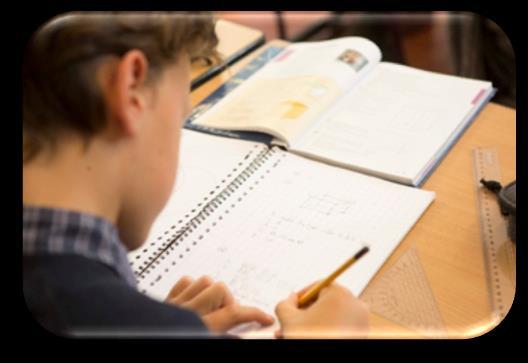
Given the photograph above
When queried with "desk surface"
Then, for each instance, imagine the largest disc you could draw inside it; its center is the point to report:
(447, 237)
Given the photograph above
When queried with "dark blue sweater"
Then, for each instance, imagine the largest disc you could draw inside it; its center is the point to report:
(69, 294)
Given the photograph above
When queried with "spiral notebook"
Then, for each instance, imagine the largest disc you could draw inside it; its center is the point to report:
(268, 222)
(207, 165)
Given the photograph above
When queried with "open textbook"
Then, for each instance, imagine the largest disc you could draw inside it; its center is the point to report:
(268, 222)
(336, 102)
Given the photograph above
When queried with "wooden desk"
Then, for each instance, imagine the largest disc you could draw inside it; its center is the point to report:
(234, 42)
(447, 237)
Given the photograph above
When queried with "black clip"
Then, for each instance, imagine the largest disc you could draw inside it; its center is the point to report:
(507, 202)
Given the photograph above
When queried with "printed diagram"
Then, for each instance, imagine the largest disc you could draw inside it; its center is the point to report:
(327, 205)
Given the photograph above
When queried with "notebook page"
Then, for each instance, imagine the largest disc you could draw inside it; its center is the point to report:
(393, 122)
(294, 221)
(207, 164)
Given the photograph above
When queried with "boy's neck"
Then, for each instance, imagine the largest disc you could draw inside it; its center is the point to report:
(84, 181)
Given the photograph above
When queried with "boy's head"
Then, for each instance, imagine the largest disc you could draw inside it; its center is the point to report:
(116, 84)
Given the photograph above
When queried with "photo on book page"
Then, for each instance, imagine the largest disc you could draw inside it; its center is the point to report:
(353, 58)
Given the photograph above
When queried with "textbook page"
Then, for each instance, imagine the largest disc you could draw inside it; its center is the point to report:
(294, 88)
(206, 165)
(393, 122)
(294, 221)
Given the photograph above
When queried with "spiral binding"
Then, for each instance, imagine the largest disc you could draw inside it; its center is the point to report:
(210, 207)
(141, 261)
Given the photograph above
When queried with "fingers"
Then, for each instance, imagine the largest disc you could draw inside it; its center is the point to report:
(244, 314)
(211, 298)
(305, 289)
(278, 334)
(337, 294)
(229, 299)
(193, 289)
(335, 291)
(181, 285)
(224, 319)
(287, 306)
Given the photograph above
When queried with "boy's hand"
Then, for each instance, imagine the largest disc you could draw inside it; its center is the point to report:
(215, 304)
(335, 314)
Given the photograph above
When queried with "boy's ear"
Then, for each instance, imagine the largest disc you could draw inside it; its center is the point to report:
(127, 91)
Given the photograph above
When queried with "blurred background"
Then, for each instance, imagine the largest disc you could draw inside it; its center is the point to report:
(463, 44)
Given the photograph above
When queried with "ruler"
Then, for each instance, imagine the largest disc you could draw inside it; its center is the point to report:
(499, 250)
(404, 296)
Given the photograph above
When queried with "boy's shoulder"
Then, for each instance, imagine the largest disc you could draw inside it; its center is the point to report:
(65, 292)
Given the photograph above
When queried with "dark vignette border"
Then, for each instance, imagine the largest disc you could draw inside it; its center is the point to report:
(30, 15)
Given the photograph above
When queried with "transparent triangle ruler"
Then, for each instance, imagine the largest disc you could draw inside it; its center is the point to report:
(499, 250)
(403, 295)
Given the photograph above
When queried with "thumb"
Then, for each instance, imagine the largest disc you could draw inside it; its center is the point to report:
(287, 306)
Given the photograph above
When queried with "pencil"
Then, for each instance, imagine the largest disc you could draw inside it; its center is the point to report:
(311, 294)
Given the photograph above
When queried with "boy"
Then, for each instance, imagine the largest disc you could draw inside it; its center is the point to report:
(104, 100)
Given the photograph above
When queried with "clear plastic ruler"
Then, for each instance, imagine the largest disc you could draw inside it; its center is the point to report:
(499, 250)
(403, 296)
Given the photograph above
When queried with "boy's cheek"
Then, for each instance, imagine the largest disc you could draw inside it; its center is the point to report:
(184, 110)
(170, 172)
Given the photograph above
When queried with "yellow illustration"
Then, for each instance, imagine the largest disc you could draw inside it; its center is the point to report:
(270, 105)
(295, 109)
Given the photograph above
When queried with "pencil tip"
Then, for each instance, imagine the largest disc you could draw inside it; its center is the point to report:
(362, 251)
